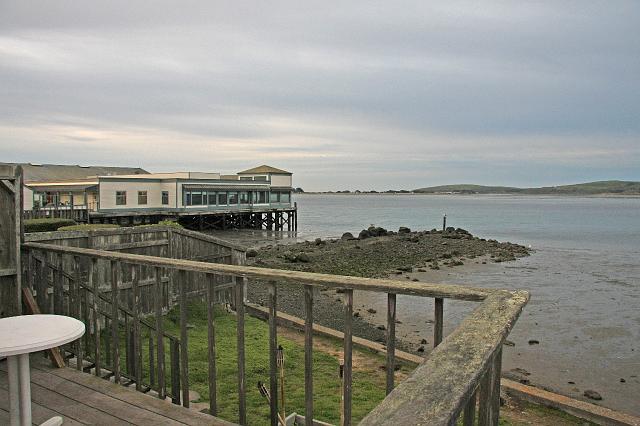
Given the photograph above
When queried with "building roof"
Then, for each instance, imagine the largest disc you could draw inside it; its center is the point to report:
(65, 172)
(265, 169)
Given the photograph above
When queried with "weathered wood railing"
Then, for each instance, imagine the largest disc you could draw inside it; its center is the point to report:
(462, 369)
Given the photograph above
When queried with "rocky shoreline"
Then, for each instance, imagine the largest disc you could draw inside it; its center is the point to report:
(374, 253)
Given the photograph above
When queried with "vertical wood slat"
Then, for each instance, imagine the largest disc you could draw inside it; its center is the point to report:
(486, 415)
(158, 301)
(438, 321)
(211, 335)
(42, 286)
(77, 309)
(470, 410)
(184, 353)
(175, 371)
(115, 323)
(348, 351)
(93, 285)
(242, 395)
(391, 341)
(137, 343)
(495, 397)
(273, 348)
(308, 356)
(107, 343)
(58, 289)
(152, 373)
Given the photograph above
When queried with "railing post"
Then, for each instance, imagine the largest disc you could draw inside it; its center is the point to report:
(137, 346)
(58, 288)
(391, 341)
(348, 346)
(273, 347)
(158, 298)
(242, 396)
(490, 392)
(175, 371)
(211, 335)
(77, 308)
(93, 285)
(115, 323)
(438, 321)
(308, 356)
(184, 342)
(42, 285)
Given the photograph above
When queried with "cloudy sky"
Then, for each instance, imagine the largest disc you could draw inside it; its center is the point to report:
(368, 95)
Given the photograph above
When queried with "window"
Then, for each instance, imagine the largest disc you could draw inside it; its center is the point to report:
(222, 198)
(121, 198)
(262, 197)
(142, 197)
(187, 198)
(246, 178)
(263, 178)
(165, 198)
(196, 198)
(244, 198)
(233, 198)
(285, 197)
(275, 197)
(212, 199)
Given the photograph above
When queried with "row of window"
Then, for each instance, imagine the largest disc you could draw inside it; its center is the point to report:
(232, 198)
(213, 198)
(121, 198)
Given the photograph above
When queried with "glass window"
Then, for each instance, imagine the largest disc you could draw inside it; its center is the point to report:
(246, 178)
(285, 197)
(244, 197)
(121, 198)
(262, 197)
(263, 178)
(222, 198)
(196, 198)
(142, 197)
(275, 197)
(165, 198)
(233, 198)
(212, 198)
(187, 198)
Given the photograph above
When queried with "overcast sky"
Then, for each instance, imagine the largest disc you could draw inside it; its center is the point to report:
(357, 95)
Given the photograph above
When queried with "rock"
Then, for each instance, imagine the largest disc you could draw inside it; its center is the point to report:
(450, 229)
(508, 343)
(377, 231)
(420, 349)
(371, 311)
(404, 230)
(356, 314)
(422, 270)
(591, 394)
(381, 327)
(364, 234)
(534, 342)
(252, 253)
(405, 268)
(415, 239)
(522, 371)
(303, 258)
(347, 236)
(319, 242)
(571, 382)
(622, 380)
(423, 341)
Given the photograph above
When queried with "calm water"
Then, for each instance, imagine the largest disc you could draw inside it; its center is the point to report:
(584, 276)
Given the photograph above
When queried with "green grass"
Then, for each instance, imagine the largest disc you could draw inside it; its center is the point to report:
(88, 227)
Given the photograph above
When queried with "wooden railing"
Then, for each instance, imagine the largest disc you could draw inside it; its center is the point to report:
(78, 213)
(463, 369)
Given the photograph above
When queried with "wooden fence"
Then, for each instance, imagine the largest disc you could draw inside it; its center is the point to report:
(462, 369)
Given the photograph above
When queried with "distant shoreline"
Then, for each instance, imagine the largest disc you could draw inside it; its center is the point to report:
(603, 195)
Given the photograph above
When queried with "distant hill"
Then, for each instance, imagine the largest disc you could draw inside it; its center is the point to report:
(616, 187)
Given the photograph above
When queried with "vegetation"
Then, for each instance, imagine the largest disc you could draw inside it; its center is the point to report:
(46, 225)
(88, 227)
(591, 188)
(171, 223)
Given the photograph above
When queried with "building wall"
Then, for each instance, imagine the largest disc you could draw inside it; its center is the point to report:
(108, 189)
(27, 196)
(281, 180)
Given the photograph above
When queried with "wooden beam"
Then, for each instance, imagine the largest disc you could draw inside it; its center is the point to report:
(33, 308)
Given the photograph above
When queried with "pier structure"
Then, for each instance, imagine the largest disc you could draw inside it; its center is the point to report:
(257, 198)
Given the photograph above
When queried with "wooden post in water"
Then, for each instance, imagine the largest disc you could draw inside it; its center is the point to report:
(444, 222)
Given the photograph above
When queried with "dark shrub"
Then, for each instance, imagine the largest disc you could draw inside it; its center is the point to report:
(46, 225)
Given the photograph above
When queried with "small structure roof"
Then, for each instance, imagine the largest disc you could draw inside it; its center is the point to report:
(265, 169)
(67, 172)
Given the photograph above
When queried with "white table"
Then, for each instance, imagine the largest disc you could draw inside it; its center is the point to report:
(21, 335)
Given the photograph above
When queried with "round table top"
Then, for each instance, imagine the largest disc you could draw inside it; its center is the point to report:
(32, 333)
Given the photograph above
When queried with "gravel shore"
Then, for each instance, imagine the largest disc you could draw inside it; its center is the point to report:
(376, 253)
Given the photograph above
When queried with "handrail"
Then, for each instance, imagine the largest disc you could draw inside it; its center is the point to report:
(448, 291)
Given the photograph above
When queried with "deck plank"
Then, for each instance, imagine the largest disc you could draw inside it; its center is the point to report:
(39, 414)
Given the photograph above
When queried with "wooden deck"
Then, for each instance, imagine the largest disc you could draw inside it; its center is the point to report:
(81, 398)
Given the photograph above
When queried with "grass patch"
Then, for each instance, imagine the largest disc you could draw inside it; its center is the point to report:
(46, 225)
(88, 227)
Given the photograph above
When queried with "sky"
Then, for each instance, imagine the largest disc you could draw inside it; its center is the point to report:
(346, 95)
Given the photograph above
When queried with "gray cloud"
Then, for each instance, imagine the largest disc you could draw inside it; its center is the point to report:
(357, 94)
